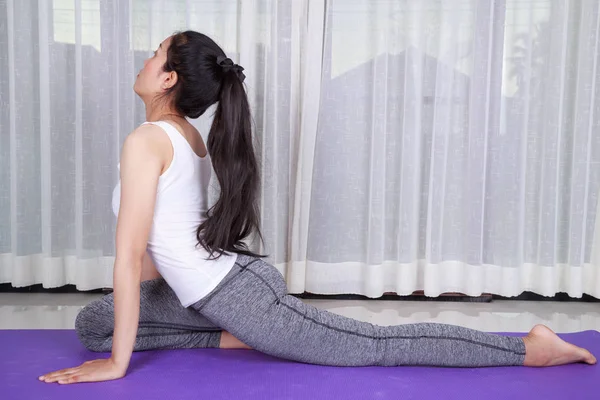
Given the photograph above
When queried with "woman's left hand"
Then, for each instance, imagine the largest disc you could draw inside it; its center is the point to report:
(90, 371)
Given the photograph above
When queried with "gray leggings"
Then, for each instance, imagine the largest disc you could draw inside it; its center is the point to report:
(252, 303)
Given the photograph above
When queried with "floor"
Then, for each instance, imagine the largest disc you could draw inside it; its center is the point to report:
(58, 311)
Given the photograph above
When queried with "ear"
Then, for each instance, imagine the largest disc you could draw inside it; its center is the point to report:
(170, 80)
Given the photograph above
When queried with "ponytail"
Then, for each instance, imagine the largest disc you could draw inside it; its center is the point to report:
(205, 77)
(236, 213)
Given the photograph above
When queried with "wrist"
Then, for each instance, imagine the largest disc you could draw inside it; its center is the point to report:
(119, 363)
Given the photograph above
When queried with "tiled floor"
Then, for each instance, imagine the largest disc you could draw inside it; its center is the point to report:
(58, 311)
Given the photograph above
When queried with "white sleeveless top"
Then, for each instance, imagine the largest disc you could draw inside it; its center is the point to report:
(181, 203)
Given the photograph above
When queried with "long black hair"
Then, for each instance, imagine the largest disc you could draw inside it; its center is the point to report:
(202, 82)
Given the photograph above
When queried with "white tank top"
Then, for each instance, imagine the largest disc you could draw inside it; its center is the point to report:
(181, 203)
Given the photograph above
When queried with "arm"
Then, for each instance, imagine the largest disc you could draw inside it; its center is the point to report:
(141, 165)
(142, 160)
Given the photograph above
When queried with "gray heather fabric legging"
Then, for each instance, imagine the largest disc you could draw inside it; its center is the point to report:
(252, 303)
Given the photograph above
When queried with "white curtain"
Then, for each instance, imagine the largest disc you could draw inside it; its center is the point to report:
(67, 68)
(443, 145)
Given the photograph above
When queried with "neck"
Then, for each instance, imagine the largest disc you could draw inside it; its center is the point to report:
(160, 111)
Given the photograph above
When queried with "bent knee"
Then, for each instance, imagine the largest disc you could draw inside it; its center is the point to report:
(94, 326)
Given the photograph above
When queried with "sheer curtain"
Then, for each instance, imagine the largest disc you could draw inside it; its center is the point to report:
(457, 149)
(67, 68)
(441, 145)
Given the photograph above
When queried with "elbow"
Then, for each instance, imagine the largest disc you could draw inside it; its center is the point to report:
(129, 265)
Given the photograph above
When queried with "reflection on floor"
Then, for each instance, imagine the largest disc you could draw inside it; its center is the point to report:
(58, 311)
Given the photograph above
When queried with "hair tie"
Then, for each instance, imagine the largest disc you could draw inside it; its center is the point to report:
(226, 63)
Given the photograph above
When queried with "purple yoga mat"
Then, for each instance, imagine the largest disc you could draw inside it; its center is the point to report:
(248, 374)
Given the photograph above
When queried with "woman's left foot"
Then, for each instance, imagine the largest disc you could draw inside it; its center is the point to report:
(543, 348)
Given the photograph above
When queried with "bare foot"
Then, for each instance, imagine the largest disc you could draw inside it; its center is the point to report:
(545, 349)
(228, 341)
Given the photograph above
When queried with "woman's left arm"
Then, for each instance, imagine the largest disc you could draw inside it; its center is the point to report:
(141, 165)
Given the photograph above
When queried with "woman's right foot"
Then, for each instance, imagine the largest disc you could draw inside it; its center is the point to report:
(543, 348)
(228, 341)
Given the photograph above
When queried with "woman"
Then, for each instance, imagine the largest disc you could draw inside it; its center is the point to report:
(234, 299)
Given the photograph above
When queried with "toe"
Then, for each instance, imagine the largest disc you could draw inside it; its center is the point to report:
(589, 358)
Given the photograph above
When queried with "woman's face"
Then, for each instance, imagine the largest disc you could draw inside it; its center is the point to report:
(152, 79)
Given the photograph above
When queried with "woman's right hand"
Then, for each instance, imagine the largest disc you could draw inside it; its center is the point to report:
(104, 369)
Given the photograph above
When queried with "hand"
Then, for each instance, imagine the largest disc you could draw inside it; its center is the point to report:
(90, 371)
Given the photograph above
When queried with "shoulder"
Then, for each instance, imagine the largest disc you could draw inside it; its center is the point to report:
(147, 135)
(147, 139)
(146, 150)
